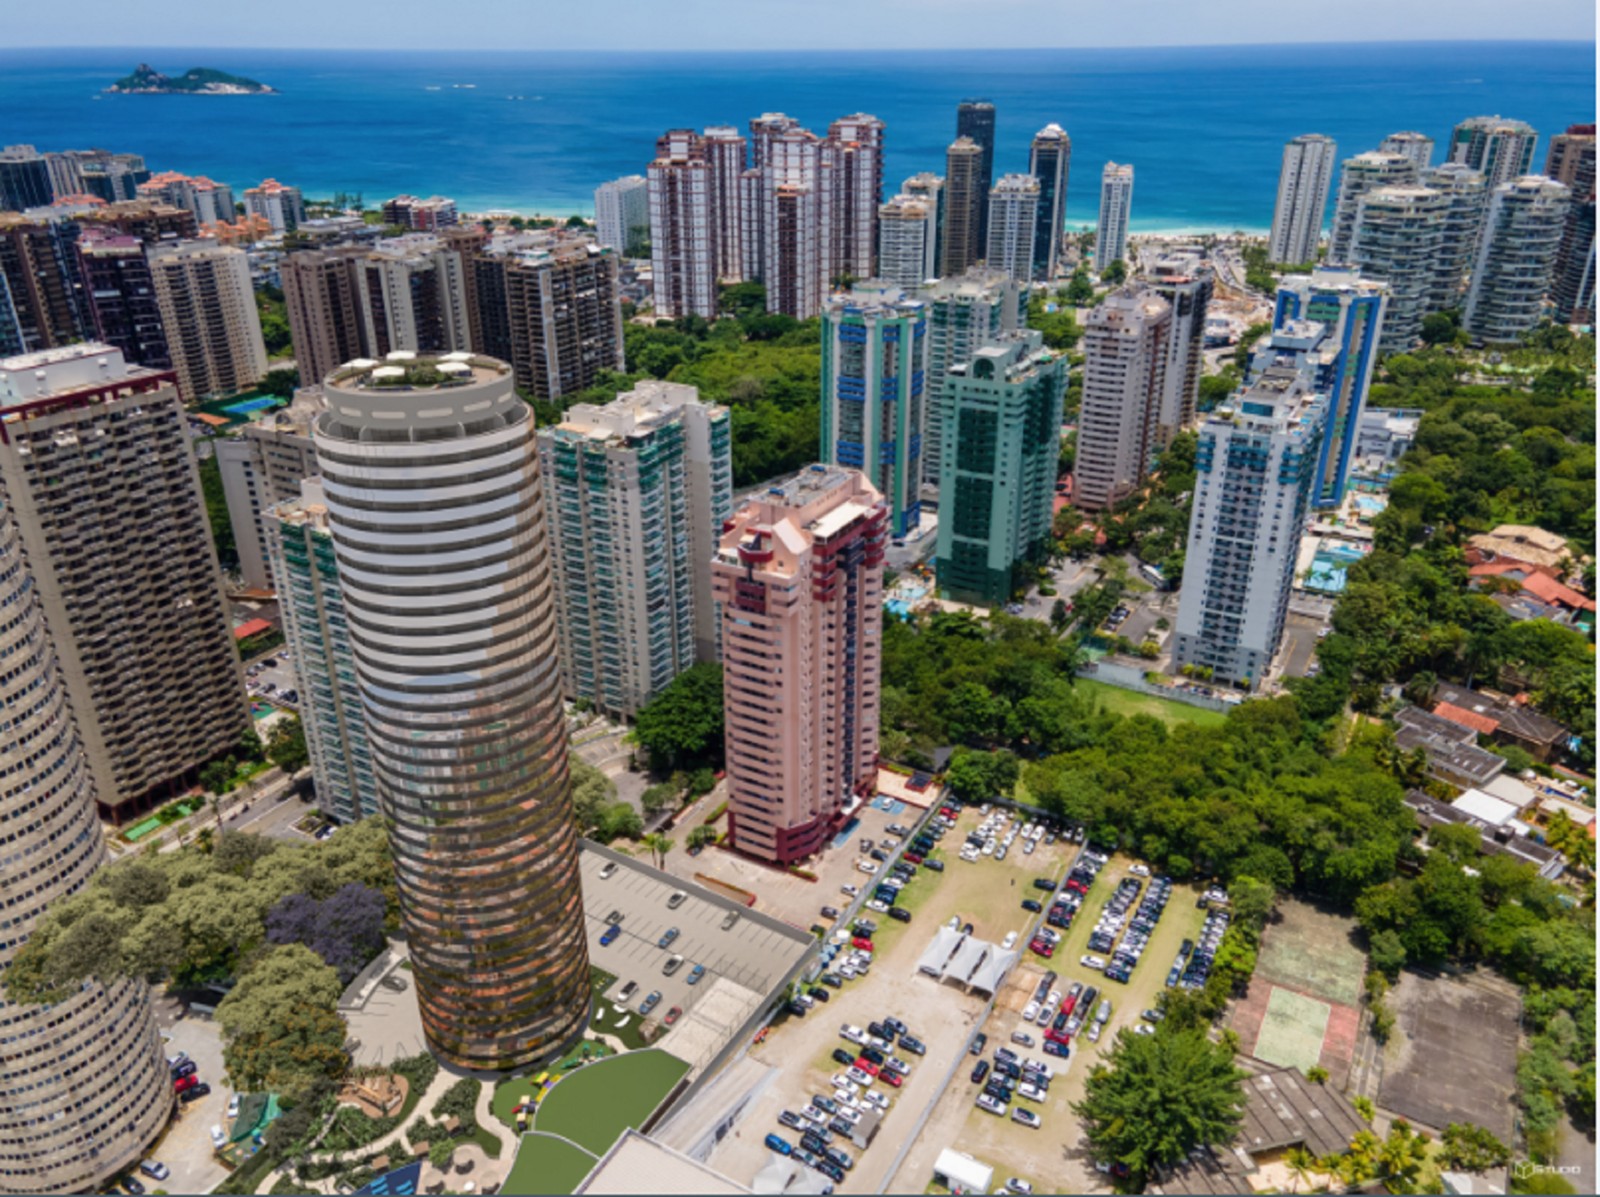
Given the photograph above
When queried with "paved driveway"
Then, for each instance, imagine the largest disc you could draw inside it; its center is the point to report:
(186, 1145)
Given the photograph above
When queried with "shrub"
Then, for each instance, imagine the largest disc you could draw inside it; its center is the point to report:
(722, 809)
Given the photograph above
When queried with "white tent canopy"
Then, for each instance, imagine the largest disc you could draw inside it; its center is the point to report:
(968, 959)
(938, 952)
(992, 972)
(958, 1170)
(785, 1175)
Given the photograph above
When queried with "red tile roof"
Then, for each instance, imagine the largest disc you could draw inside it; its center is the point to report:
(251, 627)
(1460, 715)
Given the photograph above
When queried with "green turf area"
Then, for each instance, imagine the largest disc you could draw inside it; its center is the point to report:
(608, 1016)
(1129, 702)
(513, 1089)
(1312, 951)
(548, 1165)
(593, 1105)
(1291, 1034)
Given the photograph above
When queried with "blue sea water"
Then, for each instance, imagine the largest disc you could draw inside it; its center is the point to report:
(535, 132)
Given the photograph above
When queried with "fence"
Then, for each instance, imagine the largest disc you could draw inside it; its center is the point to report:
(1126, 677)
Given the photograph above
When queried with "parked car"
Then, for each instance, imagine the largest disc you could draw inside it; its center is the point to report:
(185, 1082)
(610, 937)
(155, 1169)
(779, 1144)
(1026, 1117)
(979, 1071)
(194, 1093)
(673, 964)
(672, 1016)
(667, 936)
(650, 1002)
(187, 1068)
(979, 1042)
(989, 1104)
(695, 974)
(627, 991)
(219, 1139)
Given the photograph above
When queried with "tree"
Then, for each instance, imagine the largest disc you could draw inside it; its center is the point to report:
(1079, 289)
(658, 797)
(286, 745)
(1157, 1097)
(1472, 1149)
(702, 836)
(619, 820)
(592, 791)
(346, 930)
(979, 776)
(1438, 328)
(659, 846)
(1253, 901)
(1115, 274)
(216, 775)
(682, 726)
(1060, 615)
(280, 1024)
(1388, 953)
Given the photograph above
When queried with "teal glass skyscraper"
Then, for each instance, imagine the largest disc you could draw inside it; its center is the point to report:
(874, 368)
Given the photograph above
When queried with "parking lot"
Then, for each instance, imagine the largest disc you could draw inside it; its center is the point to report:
(1298, 652)
(717, 944)
(783, 895)
(185, 1148)
(942, 1014)
(273, 681)
(1053, 1157)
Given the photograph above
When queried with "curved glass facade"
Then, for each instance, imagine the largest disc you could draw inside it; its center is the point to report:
(437, 516)
(84, 1087)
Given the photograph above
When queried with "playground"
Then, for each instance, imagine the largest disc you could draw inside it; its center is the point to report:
(1303, 1006)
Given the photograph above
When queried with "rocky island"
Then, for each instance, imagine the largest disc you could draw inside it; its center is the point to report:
(201, 81)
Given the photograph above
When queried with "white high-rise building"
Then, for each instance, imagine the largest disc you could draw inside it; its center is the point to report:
(1303, 185)
(683, 245)
(279, 204)
(638, 489)
(1359, 176)
(908, 239)
(262, 465)
(853, 154)
(725, 155)
(1416, 146)
(1125, 343)
(1466, 196)
(1050, 161)
(1399, 233)
(208, 308)
(1502, 149)
(1253, 480)
(622, 213)
(1116, 206)
(1185, 281)
(965, 313)
(1013, 224)
(1516, 258)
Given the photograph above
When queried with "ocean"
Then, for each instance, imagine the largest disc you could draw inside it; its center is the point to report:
(536, 132)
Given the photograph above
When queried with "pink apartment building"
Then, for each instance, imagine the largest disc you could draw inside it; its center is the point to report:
(798, 577)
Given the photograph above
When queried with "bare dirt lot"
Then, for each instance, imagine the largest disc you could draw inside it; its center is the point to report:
(942, 1015)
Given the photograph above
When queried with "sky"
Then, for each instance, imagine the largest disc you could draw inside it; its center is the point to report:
(787, 24)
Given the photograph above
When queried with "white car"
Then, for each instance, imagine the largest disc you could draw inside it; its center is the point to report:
(1028, 847)
(219, 1140)
(866, 866)
(847, 971)
(955, 923)
(851, 890)
(1009, 941)
(850, 1114)
(877, 906)
(859, 1078)
(853, 1033)
(233, 1106)
(878, 1044)
(989, 847)
(873, 1098)
(1031, 1010)
(989, 1104)
(1019, 1186)
(1093, 1034)
(1139, 870)
(1093, 962)
(1143, 1028)
(843, 1083)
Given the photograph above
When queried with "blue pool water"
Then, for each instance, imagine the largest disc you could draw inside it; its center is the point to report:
(899, 608)
(245, 406)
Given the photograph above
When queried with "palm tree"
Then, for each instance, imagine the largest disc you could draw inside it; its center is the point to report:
(659, 845)
(1301, 1164)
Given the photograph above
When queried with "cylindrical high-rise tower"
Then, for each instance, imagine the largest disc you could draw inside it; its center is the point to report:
(83, 1085)
(432, 482)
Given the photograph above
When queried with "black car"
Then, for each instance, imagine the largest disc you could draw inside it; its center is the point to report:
(1044, 883)
(966, 929)
(844, 1057)
(1000, 1091)
(979, 1071)
(130, 1185)
(797, 1009)
(840, 1127)
(877, 854)
(895, 1025)
(194, 1092)
(873, 1054)
(811, 1142)
(830, 912)
(900, 914)
(821, 994)
(913, 1045)
(1030, 905)
(187, 1068)
(979, 1042)
(831, 1170)
(833, 980)
(936, 865)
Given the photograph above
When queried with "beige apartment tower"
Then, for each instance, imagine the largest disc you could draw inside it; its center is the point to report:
(799, 580)
(262, 466)
(86, 1086)
(965, 189)
(1125, 342)
(208, 308)
(96, 468)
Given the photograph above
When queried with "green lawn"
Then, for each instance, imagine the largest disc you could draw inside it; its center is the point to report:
(1128, 702)
(595, 1104)
(546, 1165)
(513, 1089)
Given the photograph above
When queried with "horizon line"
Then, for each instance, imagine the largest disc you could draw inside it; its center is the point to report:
(1446, 41)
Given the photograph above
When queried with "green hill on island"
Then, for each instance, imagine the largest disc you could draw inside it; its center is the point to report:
(201, 81)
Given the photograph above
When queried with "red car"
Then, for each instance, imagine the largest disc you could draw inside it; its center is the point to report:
(1046, 950)
(911, 858)
(867, 1066)
(1056, 1036)
(864, 945)
(949, 812)
(672, 1016)
(185, 1082)
(893, 1079)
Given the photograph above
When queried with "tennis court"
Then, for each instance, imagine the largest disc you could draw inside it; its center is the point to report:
(1292, 1033)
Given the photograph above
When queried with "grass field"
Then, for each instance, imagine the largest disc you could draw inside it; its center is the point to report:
(1292, 1033)
(594, 1105)
(548, 1165)
(1126, 702)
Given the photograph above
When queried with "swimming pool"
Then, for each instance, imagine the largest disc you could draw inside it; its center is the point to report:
(245, 406)
(899, 608)
(1328, 566)
(1370, 505)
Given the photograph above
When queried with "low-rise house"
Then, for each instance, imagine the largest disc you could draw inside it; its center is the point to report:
(1504, 720)
(1452, 750)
